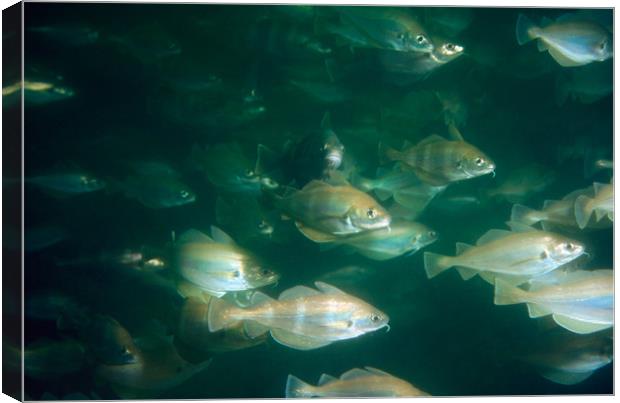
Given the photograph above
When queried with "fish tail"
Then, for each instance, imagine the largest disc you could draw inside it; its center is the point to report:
(525, 28)
(525, 215)
(583, 211)
(295, 387)
(362, 183)
(435, 264)
(219, 316)
(387, 154)
(508, 294)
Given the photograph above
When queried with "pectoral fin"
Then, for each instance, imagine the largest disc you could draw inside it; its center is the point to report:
(564, 377)
(315, 235)
(578, 326)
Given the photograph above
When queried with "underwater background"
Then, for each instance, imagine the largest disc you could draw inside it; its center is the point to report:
(153, 82)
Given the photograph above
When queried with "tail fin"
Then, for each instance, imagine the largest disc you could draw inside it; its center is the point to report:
(582, 211)
(435, 264)
(387, 154)
(525, 215)
(295, 387)
(524, 27)
(219, 315)
(508, 294)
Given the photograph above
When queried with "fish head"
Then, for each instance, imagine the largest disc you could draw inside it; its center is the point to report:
(368, 318)
(264, 227)
(257, 275)
(91, 183)
(184, 195)
(604, 49)
(369, 215)
(474, 163)
(423, 238)
(448, 51)
(415, 41)
(563, 250)
(333, 151)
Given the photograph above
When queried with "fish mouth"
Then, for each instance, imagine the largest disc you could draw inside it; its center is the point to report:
(333, 159)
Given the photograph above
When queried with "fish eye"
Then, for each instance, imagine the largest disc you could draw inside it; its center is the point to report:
(262, 224)
(479, 161)
(184, 194)
(432, 234)
(248, 173)
(371, 213)
(459, 165)
(265, 272)
(401, 36)
(450, 46)
(569, 246)
(374, 318)
(420, 39)
(237, 274)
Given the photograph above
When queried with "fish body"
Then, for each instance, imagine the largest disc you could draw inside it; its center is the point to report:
(523, 182)
(302, 318)
(46, 359)
(69, 183)
(402, 238)
(571, 41)
(438, 161)
(567, 358)
(158, 191)
(602, 204)
(367, 382)
(516, 254)
(389, 28)
(333, 210)
(582, 303)
(218, 265)
(416, 64)
(387, 182)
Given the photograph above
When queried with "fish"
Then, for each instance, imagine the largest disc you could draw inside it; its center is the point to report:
(586, 85)
(46, 359)
(522, 183)
(348, 275)
(401, 238)
(388, 28)
(357, 382)
(582, 302)
(556, 213)
(439, 162)
(193, 331)
(73, 35)
(567, 358)
(317, 154)
(218, 265)
(514, 255)
(387, 182)
(415, 66)
(571, 40)
(144, 258)
(302, 318)
(451, 21)
(104, 336)
(226, 166)
(36, 92)
(68, 183)
(602, 204)
(323, 212)
(288, 39)
(158, 367)
(245, 217)
(157, 190)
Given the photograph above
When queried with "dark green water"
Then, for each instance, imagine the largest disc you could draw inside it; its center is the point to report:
(141, 100)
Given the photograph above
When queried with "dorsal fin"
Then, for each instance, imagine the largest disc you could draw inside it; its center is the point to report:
(313, 184)
(492, 235)
(325, 379)
(455, 133)
(259, 298)
(597, 187)
(220, 236)
(377, 371)
(462, 247)
(299, 291)
(337, 178)
(193, 236)
(519, 227)
(563, 18)
(354, 374)
(328, 289)
(433, 138)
